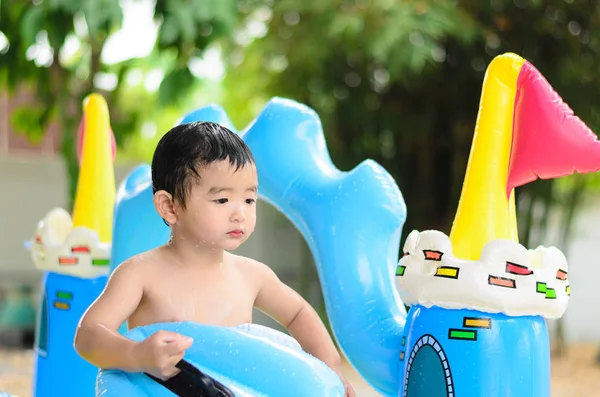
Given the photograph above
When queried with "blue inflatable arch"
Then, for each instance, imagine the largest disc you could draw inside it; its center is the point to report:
(352, 222)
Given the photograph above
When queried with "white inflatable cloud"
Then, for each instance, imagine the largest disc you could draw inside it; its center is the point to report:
(508, 278)
(61, 248)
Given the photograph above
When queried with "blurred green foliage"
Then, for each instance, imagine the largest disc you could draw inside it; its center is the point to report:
(395, 81)
(400, 82)
(38, 34)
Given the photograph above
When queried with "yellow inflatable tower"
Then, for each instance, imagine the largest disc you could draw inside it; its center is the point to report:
(96, 190)
(485, 213)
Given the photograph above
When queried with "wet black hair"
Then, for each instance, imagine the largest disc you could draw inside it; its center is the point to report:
(187, 147)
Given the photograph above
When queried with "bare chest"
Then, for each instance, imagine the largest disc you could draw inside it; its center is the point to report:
(224, 301)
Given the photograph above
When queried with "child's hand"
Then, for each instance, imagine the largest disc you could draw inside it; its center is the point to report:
(160, 352)
(348, 387)
(349, 391)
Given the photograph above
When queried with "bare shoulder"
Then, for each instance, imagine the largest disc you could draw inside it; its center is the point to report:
(246, 264)
(253, 269)
(137, 266)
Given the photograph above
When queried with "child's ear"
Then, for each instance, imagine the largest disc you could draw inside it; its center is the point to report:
(163, 202)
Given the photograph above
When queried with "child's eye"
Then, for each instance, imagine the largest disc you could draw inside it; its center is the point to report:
(221, 201)
(250, 201)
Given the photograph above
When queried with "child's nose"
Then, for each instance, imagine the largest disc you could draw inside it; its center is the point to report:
(239, 214)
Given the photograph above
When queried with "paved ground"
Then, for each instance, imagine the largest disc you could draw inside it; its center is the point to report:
(573, 376)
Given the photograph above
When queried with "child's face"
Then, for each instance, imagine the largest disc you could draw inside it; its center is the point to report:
(221, 208)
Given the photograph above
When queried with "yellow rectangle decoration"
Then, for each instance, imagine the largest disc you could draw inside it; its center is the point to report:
(447, 271)
(474, 322)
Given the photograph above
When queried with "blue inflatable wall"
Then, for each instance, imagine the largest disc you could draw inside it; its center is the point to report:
(467, 353)
(59, 370)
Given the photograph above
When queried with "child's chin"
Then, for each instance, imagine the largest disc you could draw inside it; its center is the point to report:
(231, 245)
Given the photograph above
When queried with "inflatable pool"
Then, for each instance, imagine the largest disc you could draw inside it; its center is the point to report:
(247, 361)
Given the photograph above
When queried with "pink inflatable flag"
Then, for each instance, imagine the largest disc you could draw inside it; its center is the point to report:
(549, 141)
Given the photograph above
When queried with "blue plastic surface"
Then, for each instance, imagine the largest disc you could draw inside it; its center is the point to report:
(59, 370)
(137, 226)
(352, 222)
(249, 362)
(467, 353)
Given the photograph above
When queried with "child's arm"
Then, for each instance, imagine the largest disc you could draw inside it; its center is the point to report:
(291, 310)
(98, 341)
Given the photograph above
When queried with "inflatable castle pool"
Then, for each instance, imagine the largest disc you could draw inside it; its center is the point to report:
(478, 299)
